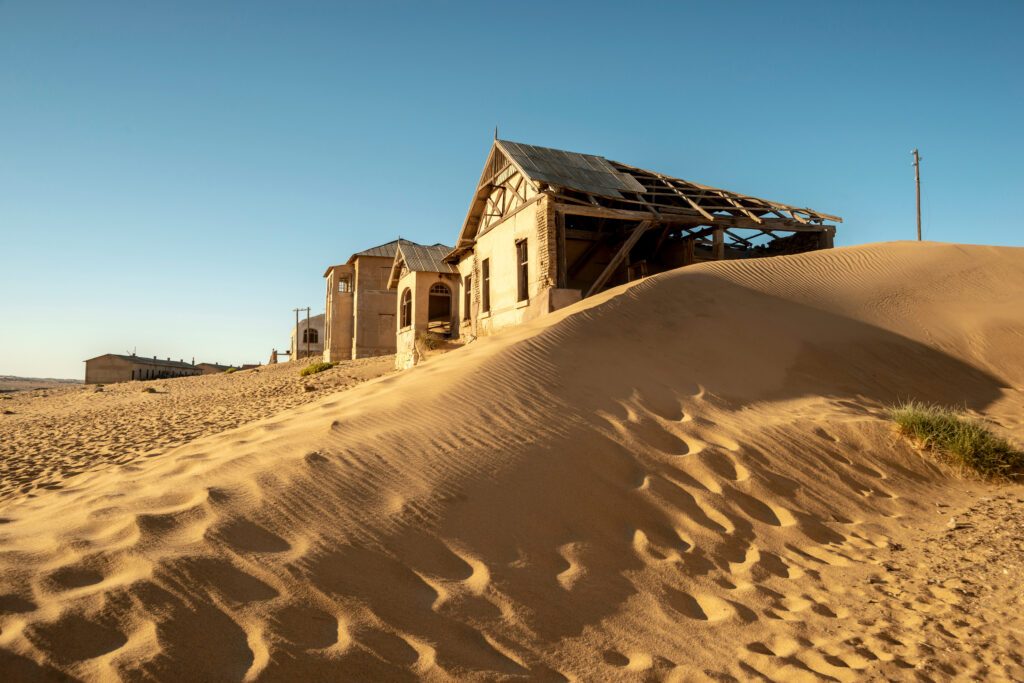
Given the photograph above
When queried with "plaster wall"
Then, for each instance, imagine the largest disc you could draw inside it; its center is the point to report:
(499, 246)
(113, 369)
(337, 340)
(374, 308)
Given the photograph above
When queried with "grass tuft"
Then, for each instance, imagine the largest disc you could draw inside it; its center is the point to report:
(230, 370)
(314, 368)
(965, 444)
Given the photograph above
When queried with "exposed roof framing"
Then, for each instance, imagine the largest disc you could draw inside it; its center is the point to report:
(586, 184)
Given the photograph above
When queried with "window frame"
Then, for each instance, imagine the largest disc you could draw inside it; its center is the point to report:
(522, 271)
(467, 284)
(405, 309)
(485, 285)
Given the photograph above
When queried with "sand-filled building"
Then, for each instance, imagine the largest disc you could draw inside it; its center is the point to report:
(547, 227)
(360, 319)
(428, 296)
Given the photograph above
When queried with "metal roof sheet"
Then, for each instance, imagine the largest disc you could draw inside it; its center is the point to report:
(387, 249)
(584, 172)
(426, 258)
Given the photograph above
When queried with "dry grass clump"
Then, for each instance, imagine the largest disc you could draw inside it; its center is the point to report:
(965, 444)
(314, 368)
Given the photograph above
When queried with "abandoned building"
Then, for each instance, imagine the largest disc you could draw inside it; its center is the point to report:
(546, 228)
(360, 318)
(213, 368)
(428, 297)
(307, 338)
(111, 368)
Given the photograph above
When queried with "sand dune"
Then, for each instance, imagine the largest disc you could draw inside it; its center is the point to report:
(688, 478)
(50, 435)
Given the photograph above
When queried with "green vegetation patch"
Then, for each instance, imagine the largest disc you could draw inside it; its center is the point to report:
(963, 443)
(230, 370)
(314, 368)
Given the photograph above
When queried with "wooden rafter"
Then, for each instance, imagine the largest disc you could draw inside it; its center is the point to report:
(620, 255)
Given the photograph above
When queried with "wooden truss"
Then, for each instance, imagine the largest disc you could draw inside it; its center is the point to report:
(673, 209)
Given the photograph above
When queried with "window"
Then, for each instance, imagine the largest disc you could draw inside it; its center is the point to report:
(405, 312)
(485, 285)
(467, 285)
(522, 271)
(310, 336)
(344, 285)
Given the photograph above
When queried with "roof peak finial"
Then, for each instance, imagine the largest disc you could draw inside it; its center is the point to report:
(495, 132)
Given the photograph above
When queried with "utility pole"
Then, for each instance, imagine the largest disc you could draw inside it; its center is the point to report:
(307, 332)
(917, 182)
(296, 355)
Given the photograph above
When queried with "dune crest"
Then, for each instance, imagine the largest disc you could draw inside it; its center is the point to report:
(686, 477)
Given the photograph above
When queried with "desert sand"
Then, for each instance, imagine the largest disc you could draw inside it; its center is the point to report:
(51, 434)
(688, 478)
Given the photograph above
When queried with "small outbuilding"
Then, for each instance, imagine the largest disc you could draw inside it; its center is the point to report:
(307, 337)
(213, 368)
(428, 298)
(111, 368)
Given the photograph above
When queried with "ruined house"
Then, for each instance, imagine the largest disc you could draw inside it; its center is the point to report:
(307, 337)
(360, 315)
(428, 298)
(546, 228)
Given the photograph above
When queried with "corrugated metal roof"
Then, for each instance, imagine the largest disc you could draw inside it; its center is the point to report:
(388, 249)
(426, 258)
(585, 172)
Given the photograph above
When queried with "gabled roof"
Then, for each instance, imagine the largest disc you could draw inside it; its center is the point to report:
(386, 250)
(421, 258)
(584, 172)
(590, 180)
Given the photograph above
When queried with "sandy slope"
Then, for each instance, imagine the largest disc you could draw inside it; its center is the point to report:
(684, 479)
(49, 435)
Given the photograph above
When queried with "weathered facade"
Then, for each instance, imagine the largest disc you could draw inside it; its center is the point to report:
(428, 298)
(111, 368)
(546, 228)
(307, 337)
(360, 313)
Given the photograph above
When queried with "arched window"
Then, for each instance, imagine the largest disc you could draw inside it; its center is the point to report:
(310, 335)
(405, 312)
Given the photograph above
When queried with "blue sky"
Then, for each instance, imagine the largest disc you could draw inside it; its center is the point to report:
(175, 177)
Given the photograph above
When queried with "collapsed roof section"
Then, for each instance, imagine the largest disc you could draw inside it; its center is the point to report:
(585, 184)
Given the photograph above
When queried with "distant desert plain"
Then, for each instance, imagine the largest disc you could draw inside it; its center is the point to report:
(692, 477)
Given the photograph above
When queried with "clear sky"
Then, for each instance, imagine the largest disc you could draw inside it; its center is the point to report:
(175, 177)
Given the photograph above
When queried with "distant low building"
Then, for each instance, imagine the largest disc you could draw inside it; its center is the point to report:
(111, 368)
(213, 368)
(307, 338)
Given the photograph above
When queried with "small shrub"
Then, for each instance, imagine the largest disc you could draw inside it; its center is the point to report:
(965, 444)
(230, 370)
(428, 340)
(148, 390)
(314, 368)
